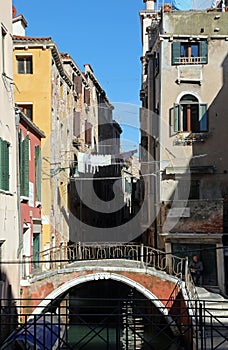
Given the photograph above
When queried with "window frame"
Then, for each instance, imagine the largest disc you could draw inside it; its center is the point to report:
(177, 59)
(24, 107)
(25, 59)
(178, 116)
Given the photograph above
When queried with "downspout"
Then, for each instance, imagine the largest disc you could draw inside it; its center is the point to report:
(20, 245)
(158, 187)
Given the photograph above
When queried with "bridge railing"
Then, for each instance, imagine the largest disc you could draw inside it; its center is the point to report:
(63, 255)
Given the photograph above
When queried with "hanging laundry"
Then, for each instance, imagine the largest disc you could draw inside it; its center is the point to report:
(90, 163)
(81, 162)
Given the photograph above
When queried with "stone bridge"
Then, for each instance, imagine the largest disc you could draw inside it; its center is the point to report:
(158, 276)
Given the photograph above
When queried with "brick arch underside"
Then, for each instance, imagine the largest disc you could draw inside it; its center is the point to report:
(147, 285)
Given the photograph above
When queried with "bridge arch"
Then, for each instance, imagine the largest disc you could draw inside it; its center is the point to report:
(101, 276)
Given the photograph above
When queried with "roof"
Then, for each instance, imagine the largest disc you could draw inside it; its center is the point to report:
(44, 41)
(32, 39)
(29, 123)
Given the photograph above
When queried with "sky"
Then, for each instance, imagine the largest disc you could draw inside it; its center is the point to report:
(105, 34)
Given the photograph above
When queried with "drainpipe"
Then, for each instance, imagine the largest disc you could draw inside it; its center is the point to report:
(158, 168)
(20, 246)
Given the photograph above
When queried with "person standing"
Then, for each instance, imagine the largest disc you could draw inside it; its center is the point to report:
(196, 268)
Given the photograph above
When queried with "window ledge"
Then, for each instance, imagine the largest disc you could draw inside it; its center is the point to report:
(24, 199)
(188, 138)
(38, 204)
(8, 193)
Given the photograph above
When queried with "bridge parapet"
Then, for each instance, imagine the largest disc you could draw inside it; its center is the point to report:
(63, 255)
(102, 254)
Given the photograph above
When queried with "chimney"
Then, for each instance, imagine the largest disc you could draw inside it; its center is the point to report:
(19, 23)
(149, 4)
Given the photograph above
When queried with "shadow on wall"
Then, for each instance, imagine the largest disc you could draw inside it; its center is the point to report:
(202, 193)
(8, 309)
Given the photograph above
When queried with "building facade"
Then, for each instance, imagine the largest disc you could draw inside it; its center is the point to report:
(29, 146)
(184, 84)
(43, 94)
(10, 234)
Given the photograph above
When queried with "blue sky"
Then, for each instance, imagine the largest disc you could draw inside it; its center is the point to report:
(105, 34)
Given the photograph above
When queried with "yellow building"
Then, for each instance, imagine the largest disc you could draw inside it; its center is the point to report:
(43, 92)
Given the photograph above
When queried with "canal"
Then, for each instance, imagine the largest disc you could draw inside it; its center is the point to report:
(109, 315)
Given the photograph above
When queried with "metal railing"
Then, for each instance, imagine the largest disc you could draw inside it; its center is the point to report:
(71, 323)
(64, 255)
(190, 60)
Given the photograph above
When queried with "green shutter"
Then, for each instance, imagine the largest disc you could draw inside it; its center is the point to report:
(175, 52)
(203, 117)
(25, 168)
(4, 165)
(20, 161)
(1, 164)
(176, 123)
(38, 173)
(36, 250)
(204, 51)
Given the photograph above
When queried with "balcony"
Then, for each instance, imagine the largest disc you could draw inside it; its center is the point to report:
(188, 138)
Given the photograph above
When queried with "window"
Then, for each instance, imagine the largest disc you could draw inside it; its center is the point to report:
(188, 190)
(24, 65)
(38, 173)
(4, 165)
(189, 53)
(190, 115)
(24, 164)
(27, 109)
(3, 49)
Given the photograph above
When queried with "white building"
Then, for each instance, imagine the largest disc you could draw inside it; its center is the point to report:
(184, 114)
(9, 232)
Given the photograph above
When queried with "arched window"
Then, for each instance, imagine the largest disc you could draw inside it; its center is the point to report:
(190, 115)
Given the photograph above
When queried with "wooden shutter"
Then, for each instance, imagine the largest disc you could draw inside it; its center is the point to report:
(25, 168)
(203, 117)
(78, 84)
(176, 117)
(87, 97)
(88, 133)
(76, 124)
(38, 173)
(175, 52)
(4, 165)
(36, 250)
(1, 164)
(204, 51)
